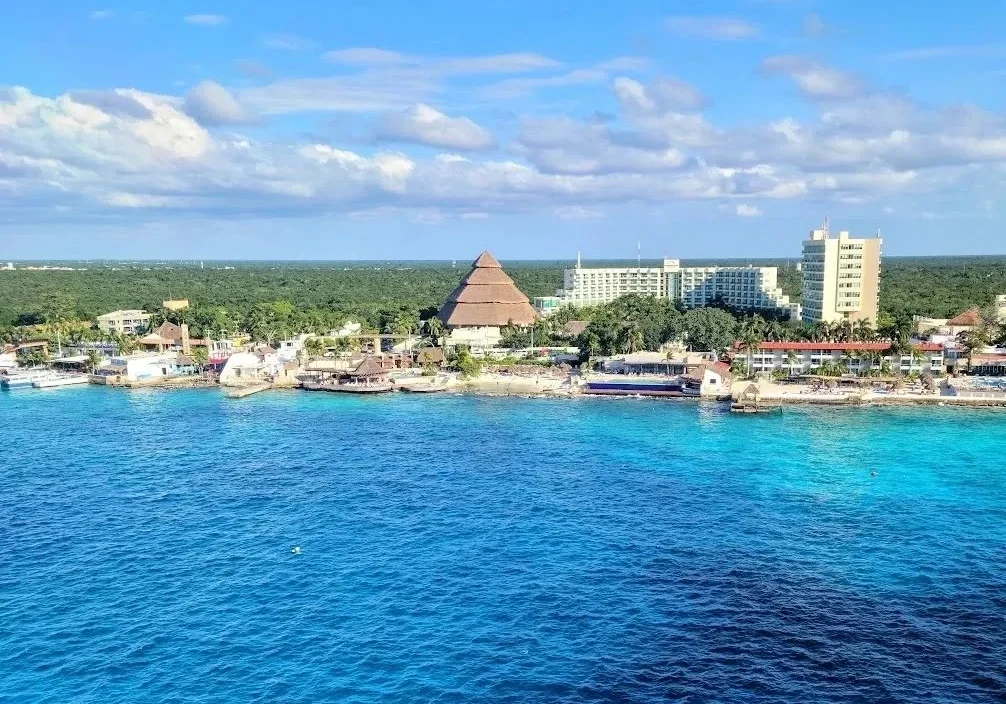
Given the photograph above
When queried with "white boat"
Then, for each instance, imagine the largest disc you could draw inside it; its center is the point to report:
(24, 379)
(56, 380)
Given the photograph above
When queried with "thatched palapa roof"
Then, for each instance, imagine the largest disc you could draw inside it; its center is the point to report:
(368, 367)
(487, 297)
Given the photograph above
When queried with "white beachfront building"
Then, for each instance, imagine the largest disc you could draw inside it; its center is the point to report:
(745, 287)
(141, 367)
(802, 357)
(124, 322)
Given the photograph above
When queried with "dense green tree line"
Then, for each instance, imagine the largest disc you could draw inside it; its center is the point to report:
(397, 298)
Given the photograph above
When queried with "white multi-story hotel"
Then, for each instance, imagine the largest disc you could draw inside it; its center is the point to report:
(124, 322)
(746, 287)
(841, 277)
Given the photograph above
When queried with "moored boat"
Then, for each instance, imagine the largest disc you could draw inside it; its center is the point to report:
(58, 380)
(24, 379)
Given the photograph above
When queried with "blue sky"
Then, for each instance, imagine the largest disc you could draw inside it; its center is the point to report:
(344, 130)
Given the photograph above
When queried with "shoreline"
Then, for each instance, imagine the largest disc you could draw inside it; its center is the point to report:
(498, 386)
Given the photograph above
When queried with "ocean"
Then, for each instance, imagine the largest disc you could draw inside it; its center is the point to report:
(179, 546)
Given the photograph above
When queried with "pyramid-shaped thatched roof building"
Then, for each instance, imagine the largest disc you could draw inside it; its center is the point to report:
(487, 297)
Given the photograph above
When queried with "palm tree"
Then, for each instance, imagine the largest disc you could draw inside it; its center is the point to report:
(93, 361)
(314, 346)
(791, 361)
(435, 329)
(862, 330)
(201, 356)
(631, 337)
(972, 340)
(752, 334)
(774, 331)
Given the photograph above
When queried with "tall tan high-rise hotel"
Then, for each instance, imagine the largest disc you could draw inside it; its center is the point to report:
(841, 277)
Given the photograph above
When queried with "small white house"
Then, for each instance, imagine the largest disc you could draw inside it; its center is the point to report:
(710, 379)
(247, 367)
(142, 367)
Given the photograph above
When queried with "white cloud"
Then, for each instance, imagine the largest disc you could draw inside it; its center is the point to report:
(519, 87)
(364, 92)
(92, 152)
(577, 212)
(207, 20)
(662, 95)
(382, 80)
(460, 65)
(212, 104)
(599, 73)
(718, 28)
(365, 56)
(948, 51)
(287, 42)
(813, 78)
(102, 14)
(565, 146)
(423, 124)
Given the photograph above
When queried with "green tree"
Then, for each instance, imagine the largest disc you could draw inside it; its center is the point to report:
(630, 337)
(971, 340)
(93, 361)
(710, 329)
(201, 356)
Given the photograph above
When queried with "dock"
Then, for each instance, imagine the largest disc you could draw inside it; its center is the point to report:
(249, 390)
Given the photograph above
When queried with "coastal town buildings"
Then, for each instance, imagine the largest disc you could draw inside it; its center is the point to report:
(485, 301)
(138, 367)
(743, 287)
(124, 322)
(859, 357)
(169, 336)
(841, 277)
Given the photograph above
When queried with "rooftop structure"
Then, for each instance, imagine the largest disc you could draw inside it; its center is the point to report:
(743, 287)
(485, 301)
(124, 322)
(841, 277)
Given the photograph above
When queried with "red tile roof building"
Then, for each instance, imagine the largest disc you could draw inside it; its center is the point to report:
(800, 357)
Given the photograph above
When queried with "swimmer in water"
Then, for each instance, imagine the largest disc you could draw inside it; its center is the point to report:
(296, 550)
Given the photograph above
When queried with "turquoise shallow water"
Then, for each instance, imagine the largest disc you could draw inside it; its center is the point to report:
(474, 549)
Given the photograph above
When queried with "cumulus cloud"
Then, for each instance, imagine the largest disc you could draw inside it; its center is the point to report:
(206, 20)
(212, 104)
(423, 124)
(717, 28)
(128, 151)
(566, 146)
(114, 102)
(815, 79)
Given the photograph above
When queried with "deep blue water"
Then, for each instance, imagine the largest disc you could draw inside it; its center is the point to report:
(473, 549)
